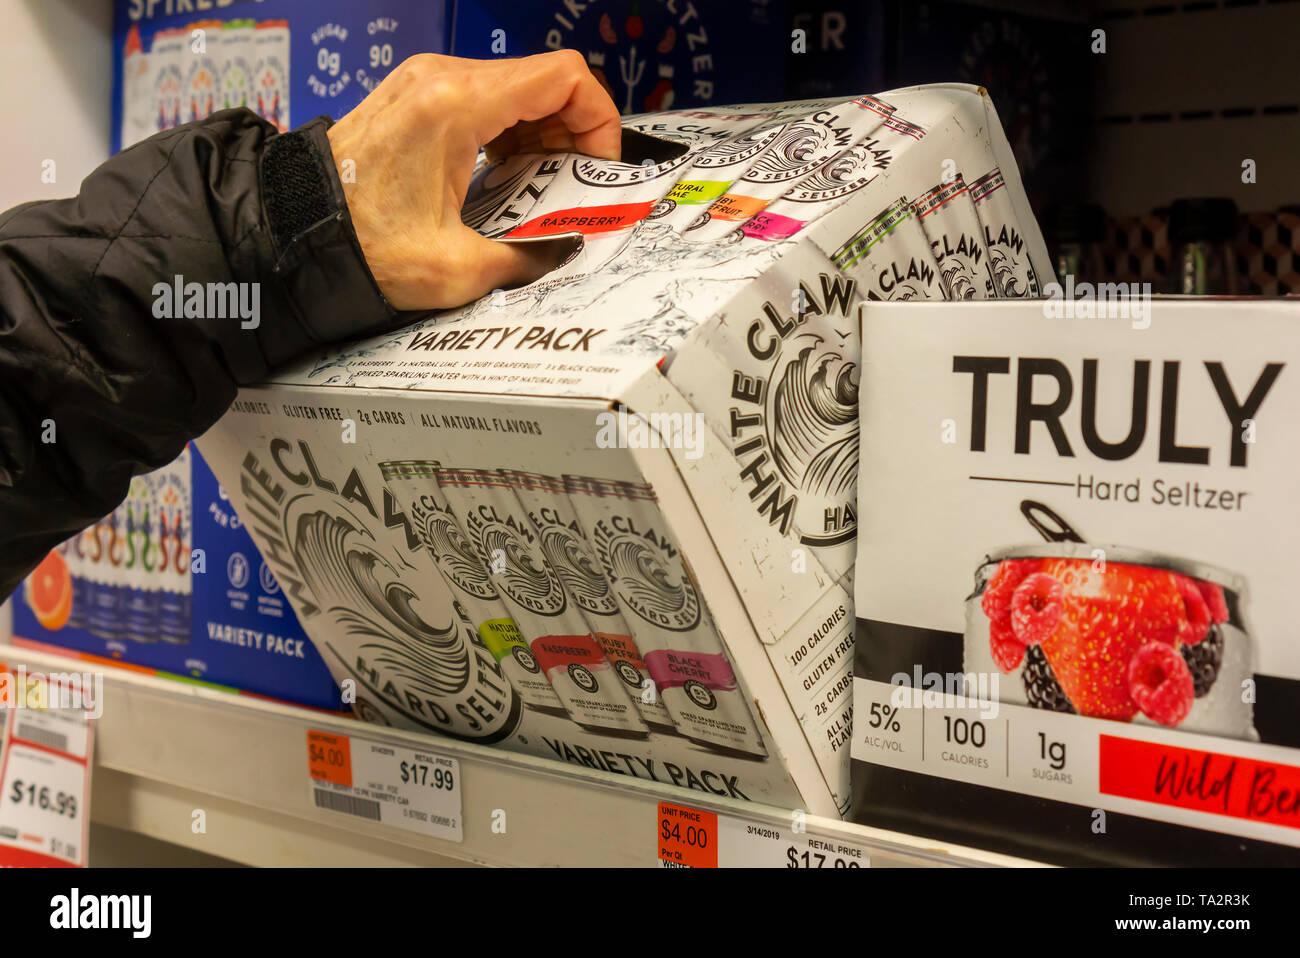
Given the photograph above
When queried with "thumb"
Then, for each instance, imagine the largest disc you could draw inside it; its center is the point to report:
(496, 264)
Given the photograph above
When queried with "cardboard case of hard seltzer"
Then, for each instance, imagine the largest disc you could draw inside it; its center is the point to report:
(1075, 588)
(608, 518)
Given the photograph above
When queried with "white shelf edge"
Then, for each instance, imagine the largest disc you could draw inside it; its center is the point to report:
(170, 747)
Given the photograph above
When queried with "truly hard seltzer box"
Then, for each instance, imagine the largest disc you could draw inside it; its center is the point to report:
(687, 385)
(1075, 590)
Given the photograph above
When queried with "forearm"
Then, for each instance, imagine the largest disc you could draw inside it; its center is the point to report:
(105, 372)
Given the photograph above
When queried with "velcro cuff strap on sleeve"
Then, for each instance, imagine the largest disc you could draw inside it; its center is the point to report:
(318, 258)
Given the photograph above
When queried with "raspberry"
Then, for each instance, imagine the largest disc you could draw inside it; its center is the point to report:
(1213, 595)
(1160, 683)
(996, 601)
(1198, 611)
(1006, 648)
(1036, 608)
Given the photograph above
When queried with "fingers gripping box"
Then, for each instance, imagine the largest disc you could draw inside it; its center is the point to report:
(680, 403)
(1074, 587)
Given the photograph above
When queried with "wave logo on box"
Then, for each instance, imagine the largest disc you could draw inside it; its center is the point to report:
(632, 557)
(795, 428)
(565, 554)
(326, 542)
(453, 552)
(843, 174)
(509, 545)
(739, 149)
(800, 148)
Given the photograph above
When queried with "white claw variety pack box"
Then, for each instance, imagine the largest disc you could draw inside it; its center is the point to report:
(1075, 593)
(609, 517)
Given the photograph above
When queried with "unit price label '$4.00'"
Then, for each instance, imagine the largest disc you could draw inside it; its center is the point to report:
(692, 838)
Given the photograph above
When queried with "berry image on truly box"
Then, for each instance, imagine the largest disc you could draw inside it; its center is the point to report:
(1103, 636)
(1114, 639)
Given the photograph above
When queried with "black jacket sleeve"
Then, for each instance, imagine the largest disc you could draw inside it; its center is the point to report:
(97, 384)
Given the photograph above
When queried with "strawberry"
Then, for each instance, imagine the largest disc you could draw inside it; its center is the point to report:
(1214, 600)
(1106, 617)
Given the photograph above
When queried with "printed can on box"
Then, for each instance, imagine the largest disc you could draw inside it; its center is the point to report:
(414, 484)
(564, 542)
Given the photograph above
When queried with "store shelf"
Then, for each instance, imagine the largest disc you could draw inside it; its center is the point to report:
(166, 749)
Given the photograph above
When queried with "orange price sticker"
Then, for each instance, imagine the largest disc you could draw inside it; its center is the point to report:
(687, 837)
(329, 757)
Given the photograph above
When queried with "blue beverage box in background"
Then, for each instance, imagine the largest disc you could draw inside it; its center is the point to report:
(650, 55)
(289, 60)
(171, 583)
(293, 60)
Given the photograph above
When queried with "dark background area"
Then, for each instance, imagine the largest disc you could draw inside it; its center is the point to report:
(1169, 104)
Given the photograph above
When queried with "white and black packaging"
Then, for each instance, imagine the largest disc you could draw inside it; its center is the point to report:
(1074, 589)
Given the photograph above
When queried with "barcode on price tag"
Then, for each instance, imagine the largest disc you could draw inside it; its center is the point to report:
(45, 763)
(691, 838)
(371, 781)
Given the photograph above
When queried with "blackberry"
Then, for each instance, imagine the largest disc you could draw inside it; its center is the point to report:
(1204, 659)
(1041, 687)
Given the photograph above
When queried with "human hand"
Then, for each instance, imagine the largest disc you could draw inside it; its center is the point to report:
(413, 143)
